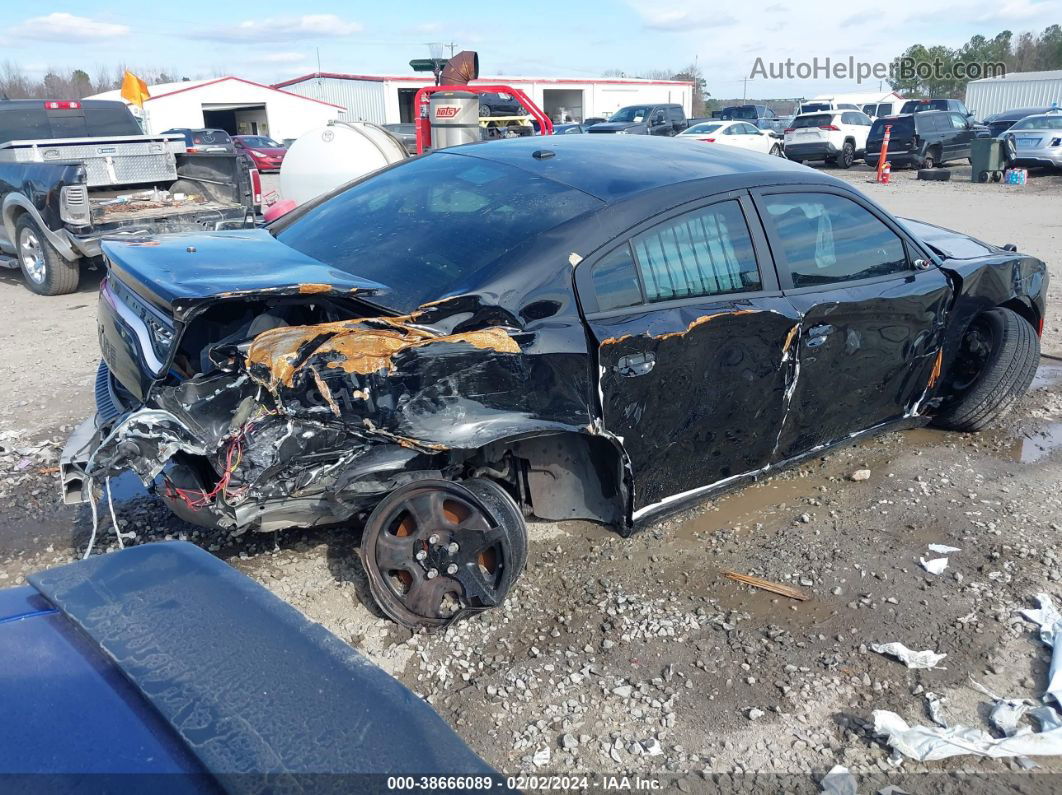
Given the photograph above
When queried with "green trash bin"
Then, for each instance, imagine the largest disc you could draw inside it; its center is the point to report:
(987, 160)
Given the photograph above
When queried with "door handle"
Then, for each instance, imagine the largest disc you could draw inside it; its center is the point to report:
(817, 335)
(635, 364)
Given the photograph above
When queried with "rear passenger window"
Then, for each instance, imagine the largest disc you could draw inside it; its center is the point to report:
(705, 252)
(616, 281)
(827, 239)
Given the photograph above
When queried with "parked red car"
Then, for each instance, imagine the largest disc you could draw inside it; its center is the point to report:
(266, 153)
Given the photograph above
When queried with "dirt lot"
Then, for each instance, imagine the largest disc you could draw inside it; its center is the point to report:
(636, 655)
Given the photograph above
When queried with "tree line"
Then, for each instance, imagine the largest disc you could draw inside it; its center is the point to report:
(938, 77)
(75, 83)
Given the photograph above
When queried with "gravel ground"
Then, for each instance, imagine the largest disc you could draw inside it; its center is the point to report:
(637, 655)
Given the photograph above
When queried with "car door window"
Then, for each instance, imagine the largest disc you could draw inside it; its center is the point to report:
(616, 280)
(825, 238)
(958, 121)
(704, 252)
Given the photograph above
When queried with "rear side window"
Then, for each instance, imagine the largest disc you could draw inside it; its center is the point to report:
(705, 252)
(676, 114)
(616, 281)
(827, 239)
(24, 123)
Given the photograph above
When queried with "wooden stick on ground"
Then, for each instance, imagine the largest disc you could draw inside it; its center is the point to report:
(767, 585)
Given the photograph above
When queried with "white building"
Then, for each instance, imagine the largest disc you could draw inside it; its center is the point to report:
(388, 99)
(1016, 90)
(232, 104)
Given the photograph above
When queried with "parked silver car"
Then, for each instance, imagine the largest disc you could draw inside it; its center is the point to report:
(1038, 140)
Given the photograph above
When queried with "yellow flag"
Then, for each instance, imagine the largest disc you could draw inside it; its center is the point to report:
(134, 89)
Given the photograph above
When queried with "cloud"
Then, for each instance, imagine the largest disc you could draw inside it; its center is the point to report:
(310, 26)
(60, 26)
(1015, 11)
(680, 20)
(425, 27)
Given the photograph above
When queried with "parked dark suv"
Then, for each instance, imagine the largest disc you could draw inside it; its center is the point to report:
(925, 139)
(664, 119)
(760, 115)
(923, 105)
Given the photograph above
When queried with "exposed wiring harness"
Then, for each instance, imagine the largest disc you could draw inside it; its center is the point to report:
(197, 498)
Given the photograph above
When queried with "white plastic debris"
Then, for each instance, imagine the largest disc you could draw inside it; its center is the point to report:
(1050, 621)
(943, 549)
(929, 744)
(935, 565)
(541, 757)
(935, 708)
(912, 659)
(839, 781)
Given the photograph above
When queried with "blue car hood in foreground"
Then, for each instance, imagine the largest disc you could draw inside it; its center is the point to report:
(161, 659)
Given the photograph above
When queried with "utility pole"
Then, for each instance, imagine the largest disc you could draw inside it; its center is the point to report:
(744, 89)
(451, 45)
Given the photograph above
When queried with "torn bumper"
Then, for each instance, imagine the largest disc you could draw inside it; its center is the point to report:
(267, 473)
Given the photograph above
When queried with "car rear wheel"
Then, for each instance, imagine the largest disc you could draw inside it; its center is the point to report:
(484, 111)
(44, 269)
(929, 160)
(995, 364)
(435, 551)
(847, 155)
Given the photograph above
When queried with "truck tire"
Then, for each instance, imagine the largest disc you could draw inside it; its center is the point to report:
(44, 269)
(934, 175)
(994, 367)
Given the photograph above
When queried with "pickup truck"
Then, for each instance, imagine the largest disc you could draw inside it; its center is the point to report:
(75, 172)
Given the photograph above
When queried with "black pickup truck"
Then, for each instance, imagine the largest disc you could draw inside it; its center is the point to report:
(75, 172)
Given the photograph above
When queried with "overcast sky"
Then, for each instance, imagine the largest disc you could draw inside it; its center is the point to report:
(272, 41)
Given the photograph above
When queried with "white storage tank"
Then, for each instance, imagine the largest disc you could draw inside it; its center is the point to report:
(323, 159)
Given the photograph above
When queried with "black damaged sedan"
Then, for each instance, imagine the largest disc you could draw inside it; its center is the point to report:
(569, 327)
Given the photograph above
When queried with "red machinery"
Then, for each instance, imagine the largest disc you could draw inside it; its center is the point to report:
(420, 102)
(458, 72)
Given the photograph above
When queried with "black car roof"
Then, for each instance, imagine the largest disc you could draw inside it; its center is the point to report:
(614, 167)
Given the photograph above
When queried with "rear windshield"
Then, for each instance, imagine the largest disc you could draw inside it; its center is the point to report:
(811, 107)
(916, 105)
(215, 137)
(817, 120)
(902, 127)
(29, 121)
(261, 141)
(748, 112)
(702, 129)
(424, 228)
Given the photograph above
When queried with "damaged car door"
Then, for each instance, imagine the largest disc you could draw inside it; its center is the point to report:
(693, 343)
(872, 308)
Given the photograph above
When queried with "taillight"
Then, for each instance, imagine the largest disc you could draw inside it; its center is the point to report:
(790, 129)
(62, 105)
(256, 187)
(707, 140)
(830, 127)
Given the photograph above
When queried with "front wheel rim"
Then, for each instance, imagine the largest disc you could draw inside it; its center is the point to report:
(976, 350)
(31, 254)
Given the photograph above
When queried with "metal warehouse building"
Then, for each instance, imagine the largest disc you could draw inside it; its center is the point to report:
(233, 104)
(1016, 90)
(387, 99)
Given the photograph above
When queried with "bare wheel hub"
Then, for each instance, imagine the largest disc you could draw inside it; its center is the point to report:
(433, 550)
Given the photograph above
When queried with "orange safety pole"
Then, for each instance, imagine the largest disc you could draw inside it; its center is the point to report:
(884, 151)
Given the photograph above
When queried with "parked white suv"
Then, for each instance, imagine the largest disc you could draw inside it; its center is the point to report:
(836, 136)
